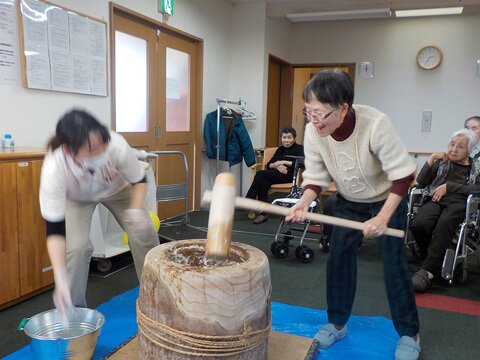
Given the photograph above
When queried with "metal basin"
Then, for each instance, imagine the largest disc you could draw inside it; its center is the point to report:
(51, 340)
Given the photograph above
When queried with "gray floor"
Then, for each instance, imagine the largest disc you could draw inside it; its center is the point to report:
(444, 335)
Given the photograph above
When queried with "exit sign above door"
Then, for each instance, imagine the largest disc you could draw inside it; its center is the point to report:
(165, 6)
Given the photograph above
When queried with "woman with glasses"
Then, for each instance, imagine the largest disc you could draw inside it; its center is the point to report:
(357, 146)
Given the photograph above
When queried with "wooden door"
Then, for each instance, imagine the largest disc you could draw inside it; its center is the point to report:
(143, 40)
(9, 271)
(273, 104)
(176, 115)
(35, 267)
(174, 121)
(279, 99)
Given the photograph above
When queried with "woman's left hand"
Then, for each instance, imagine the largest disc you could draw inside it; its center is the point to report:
(439, 192)
(375, 227)
(282, 168)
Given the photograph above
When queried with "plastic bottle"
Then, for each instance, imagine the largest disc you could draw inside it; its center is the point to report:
(7, 141)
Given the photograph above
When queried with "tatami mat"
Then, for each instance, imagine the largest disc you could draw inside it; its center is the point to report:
(281, 346)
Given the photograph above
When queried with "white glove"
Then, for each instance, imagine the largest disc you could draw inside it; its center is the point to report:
(138, 219)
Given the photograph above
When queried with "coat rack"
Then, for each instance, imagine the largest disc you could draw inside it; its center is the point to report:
(217, 147)
(246, 115)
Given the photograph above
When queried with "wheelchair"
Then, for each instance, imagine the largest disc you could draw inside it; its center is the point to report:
(466, 240)
(287, 231)
(279, 248)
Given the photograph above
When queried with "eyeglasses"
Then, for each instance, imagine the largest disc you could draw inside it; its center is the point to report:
(315, 117)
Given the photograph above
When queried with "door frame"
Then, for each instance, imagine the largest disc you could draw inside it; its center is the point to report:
(284, 95)
(285, 91)
(198, 94)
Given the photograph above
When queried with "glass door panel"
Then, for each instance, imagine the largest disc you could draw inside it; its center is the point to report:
(134, 82)
(177, 91)
(130, 83)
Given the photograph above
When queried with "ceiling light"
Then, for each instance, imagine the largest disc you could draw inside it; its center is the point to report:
(429, 12)
(340, 15)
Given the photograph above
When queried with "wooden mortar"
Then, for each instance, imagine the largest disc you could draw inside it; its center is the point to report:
(199, 300)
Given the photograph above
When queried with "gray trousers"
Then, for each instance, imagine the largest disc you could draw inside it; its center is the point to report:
(78, 219)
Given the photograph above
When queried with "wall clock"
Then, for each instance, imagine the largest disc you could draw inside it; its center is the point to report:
(429, 57)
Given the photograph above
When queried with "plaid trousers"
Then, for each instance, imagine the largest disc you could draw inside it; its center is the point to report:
(342, 266)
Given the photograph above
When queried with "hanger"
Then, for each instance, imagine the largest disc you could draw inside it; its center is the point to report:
(246, 114)
(227, 113)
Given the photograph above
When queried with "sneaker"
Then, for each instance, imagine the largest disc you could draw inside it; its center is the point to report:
(329, 334)
(260, 219)
(408, 348)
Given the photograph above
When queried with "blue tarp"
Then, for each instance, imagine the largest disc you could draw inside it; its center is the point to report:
(372, 338)
(120, 324)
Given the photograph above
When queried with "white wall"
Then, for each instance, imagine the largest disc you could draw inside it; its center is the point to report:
(31, 115)
(237, 41)
(399, 87)
(278, 38)
(246, 66)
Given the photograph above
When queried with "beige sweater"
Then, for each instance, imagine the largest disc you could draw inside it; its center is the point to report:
(364, 165)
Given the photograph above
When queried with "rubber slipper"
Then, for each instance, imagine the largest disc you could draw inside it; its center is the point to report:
(408, 348)
(328, 334)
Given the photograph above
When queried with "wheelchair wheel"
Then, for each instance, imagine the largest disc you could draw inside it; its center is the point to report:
(305, 255)
(273, 246)
(281, 250)
(297, 251)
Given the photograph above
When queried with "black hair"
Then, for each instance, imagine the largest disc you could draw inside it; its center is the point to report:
(331, 87)
(477, 118)
(288, 130)
(74, 128)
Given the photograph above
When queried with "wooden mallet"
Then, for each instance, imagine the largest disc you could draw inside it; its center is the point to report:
(220, 219)
(260, 206)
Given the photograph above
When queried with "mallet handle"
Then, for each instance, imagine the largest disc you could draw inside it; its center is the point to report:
(260, 206)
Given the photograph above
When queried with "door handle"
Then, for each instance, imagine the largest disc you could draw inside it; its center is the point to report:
(159, 132)
(154, 132)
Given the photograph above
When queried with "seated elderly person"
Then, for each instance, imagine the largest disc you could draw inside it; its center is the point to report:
(449, 178)
(473, 124)
(278, 170)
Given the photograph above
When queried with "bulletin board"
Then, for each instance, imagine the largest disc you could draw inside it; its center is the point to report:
(61, 49)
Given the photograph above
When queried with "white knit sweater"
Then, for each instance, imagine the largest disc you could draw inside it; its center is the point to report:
(362, 166)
